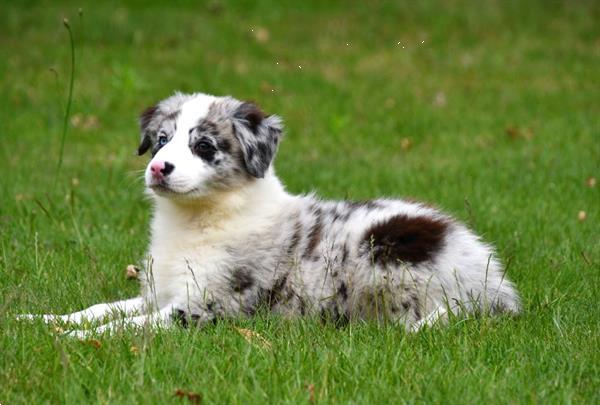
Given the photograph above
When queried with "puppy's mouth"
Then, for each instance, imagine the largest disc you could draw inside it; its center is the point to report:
(163, 188)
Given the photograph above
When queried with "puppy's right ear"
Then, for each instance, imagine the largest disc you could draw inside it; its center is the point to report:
(146, 134)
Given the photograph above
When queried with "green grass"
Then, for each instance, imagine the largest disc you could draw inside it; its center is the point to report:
(499, 105)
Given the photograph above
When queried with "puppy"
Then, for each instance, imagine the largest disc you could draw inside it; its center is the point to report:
(227, 239)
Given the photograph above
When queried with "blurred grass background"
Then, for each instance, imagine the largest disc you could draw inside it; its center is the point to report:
(488, 109)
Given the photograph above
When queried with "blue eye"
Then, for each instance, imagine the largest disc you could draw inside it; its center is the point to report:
(162, 140)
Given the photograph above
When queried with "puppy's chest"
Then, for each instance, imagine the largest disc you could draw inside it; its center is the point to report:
(205, 253)
(187, 257)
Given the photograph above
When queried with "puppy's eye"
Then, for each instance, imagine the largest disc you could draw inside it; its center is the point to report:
(204, 146)
(162, 140)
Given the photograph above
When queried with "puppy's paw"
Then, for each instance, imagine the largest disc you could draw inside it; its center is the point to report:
(26, 317)
(48, 318)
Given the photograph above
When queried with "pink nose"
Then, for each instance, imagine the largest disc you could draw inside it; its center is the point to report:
(160, 169)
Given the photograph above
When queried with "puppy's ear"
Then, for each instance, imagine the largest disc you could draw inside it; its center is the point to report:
(146, 134)
(258, 135)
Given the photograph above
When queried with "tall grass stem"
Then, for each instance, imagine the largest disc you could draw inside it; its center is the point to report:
(69, 101)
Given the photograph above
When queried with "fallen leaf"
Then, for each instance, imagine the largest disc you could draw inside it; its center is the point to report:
(467, 59)
(215, 7)
(528, 134)
(191, 396)
(94, 342)
(519, 133)
(254, 338)
(311, 392)
(591, 182)
(513, 132)
(261, 35)
(84, 122)
(266, 87)
(91, 122)
(440, 99)
(405, 143)
(132, 272)
(76, 120)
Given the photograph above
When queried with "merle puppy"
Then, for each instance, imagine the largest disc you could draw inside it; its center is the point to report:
(227, 239)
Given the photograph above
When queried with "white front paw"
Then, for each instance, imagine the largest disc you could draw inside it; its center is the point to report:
(26, 317)
(33, 317)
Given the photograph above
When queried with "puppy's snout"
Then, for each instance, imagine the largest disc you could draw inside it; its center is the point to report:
(160, 169)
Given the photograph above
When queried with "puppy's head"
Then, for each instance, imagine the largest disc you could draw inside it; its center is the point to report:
(202, 144)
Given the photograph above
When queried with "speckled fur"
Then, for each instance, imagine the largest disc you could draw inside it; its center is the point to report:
(227, 239)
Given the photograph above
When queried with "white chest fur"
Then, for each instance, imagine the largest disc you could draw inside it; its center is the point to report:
(191, 244)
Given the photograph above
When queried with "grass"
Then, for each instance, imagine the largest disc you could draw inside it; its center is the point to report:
(488, 110)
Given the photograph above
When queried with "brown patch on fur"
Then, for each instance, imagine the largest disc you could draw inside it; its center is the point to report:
(405, 239)
(251, 113)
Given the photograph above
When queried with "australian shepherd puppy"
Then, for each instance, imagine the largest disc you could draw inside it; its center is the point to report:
(227, 239)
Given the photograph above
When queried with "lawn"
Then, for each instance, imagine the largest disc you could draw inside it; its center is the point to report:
(489, 110)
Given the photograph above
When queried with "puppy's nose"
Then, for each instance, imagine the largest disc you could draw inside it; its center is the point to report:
(167, 169)
(159, 169)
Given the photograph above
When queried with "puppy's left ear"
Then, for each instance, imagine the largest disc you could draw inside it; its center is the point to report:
(259, 136)
(145, 130)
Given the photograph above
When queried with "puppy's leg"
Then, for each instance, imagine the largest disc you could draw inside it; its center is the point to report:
(159, 319)
(94, 313)
(440, 314)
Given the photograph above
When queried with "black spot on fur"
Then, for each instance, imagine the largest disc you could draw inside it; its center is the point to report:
(241, 280)
(416, 306)
(208, 127)
(263, 151)
(315, 234)
(342, 291)
(180, 318)
(184, 319)
(405, 239)
(345, 253)
(295, 240)
(224, 144)
(368, 204)
(144, 145)
(333, 315)
(301, 305)
(274, 295)
(339, 214)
